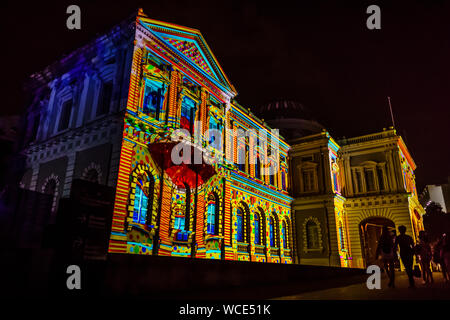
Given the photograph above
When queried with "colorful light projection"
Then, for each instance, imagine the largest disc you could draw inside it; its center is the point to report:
(193, 210)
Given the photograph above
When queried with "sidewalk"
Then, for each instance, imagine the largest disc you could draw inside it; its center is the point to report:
(437, 291)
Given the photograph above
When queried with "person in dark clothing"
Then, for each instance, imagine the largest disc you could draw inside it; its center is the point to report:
(423, 251)
(386, 249)
(438, 257)
(406, 245)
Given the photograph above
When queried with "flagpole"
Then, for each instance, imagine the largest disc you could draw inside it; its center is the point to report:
(392, 114)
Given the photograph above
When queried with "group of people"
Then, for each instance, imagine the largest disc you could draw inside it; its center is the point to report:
(389, 245)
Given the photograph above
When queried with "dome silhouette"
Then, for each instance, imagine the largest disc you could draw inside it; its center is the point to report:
(292, 118)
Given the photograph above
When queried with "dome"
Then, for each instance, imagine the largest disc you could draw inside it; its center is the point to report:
(285, 109)
(293, 119)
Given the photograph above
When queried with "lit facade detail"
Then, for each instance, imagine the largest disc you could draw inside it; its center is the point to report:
(345, 192)
(202, 211)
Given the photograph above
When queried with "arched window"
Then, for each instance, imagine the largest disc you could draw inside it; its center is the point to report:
(140, 202)
(240, 225)
(312, 235)
(284, 235)
(212, 215)
(273, 232)
(50, 187)
(257, 229)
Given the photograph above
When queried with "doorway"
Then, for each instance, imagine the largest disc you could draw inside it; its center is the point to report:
(370, 232)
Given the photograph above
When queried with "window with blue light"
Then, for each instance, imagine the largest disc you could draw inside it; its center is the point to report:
(283, 234)
(257, 230)
(214, 139)
(140, 206)
(211, 217)
(272, 179)
(272, 232)
(187, 113)
(180, 220)
(283, 180)
(153, 98)
(182, 235)
(240, 225)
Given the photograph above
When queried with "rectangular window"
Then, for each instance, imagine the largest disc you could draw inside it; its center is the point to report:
(105, 98)
(187, 114)
(358, 181)
(240, 231)
(380, 178)
(140, 206)
(308, 181)
(257, 231)
(211, 221)
(66, 111)
(370, 183)
(180, 221)
(35, 128)
(153, 98)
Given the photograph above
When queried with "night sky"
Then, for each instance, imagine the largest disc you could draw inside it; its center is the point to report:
(318, 53)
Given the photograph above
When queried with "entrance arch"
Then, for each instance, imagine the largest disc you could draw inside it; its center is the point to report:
(370, 231)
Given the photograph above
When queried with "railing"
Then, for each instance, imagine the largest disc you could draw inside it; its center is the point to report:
(287, 252)
(274, 251)
(259, 249)
(368, 137)
(243, 247)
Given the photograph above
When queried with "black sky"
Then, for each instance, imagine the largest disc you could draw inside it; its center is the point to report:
(319, 53)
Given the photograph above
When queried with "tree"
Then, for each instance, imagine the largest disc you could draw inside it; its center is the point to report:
(436, 221)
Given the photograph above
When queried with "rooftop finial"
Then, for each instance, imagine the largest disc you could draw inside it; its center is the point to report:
(141, 13)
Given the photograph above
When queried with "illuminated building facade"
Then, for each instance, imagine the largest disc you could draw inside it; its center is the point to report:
(229, 209)
(119, 111)
(108, 113)
(346, 192)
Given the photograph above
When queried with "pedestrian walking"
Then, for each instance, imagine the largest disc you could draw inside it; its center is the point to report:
(386, 249)
(423, 251)
(438, 257)
(406, 245)
(445, 254)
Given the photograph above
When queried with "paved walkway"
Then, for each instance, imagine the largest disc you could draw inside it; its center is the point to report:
(439, 290)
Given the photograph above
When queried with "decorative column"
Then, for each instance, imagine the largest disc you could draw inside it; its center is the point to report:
(229, 254)
(135, 76)
(118, 239)
(204, 110)
(175, 82)
(200, 227)
(165, 246)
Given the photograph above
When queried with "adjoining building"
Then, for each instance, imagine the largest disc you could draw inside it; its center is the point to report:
(346, 191)
(107, 113)
(438, 193)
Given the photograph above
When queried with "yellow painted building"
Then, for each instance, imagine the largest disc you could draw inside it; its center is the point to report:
(345, 191)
